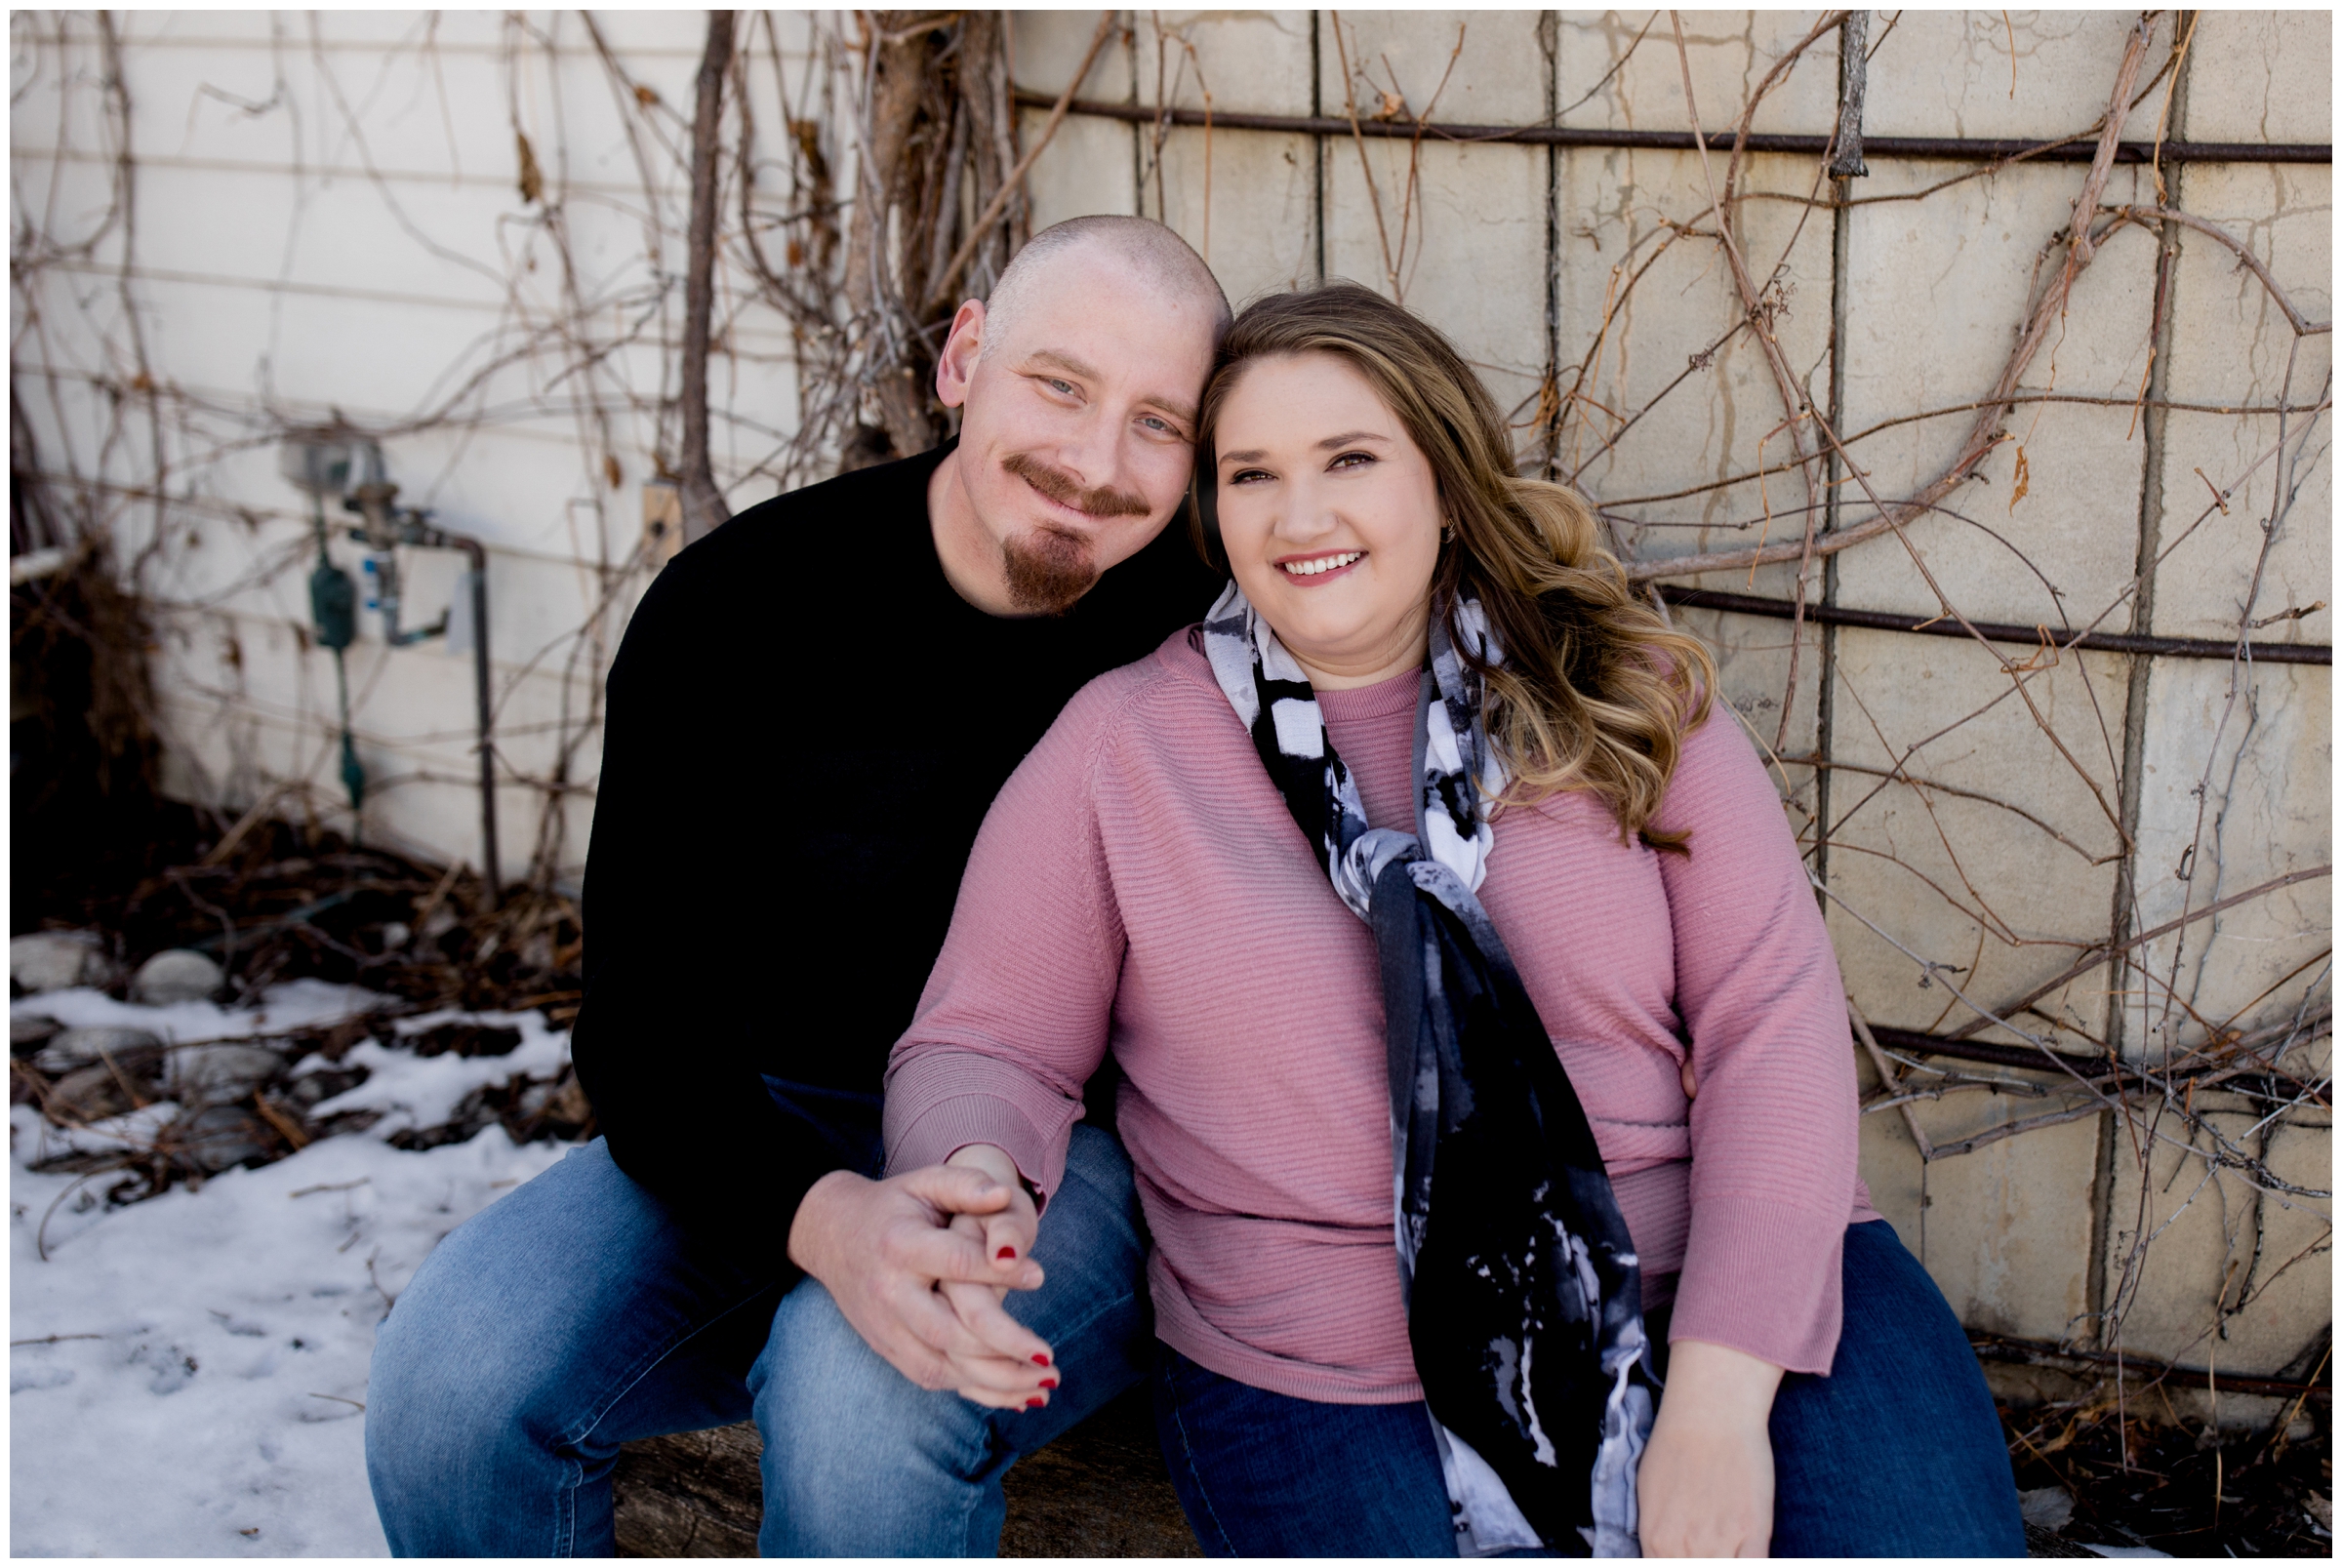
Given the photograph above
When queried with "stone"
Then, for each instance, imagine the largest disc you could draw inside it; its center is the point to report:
(57, 960)
(215, 1139)
(218, 1074)
(2048, 1507)
(26, 1036)
(69, 1049)
(94, 1093)
(176, 975)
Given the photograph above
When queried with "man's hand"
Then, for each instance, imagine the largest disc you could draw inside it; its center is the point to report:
(889, 1251)
(1706, 1486)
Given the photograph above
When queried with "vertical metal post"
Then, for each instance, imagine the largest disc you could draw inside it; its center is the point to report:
(490, 864)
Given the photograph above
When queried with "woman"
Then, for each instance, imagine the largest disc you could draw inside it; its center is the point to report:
(1430, 785)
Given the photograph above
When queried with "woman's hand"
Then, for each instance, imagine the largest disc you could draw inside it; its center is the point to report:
(1706, 1486)
(1007, 1232)
(1006, 1237)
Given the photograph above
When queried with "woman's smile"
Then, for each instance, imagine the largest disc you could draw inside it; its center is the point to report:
(1311, 570)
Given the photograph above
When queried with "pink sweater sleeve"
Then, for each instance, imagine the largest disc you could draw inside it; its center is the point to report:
(1773, 1126)
(1015, 1015)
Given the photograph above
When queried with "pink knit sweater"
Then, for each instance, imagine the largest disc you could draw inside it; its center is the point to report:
(1140, 887)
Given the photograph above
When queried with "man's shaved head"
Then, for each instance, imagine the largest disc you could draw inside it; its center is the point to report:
(1158, 260)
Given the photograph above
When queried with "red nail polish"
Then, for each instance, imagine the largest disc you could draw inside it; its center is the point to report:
(1007, 1253)
(1040, 1360)
(1036, 1402)
(1048, 1383)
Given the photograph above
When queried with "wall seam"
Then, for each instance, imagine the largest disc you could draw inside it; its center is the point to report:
(2132, 787)
(1548, 41)
(1318, 142)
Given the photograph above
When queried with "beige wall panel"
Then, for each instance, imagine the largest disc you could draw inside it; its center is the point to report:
(2210, 560)
(2262, 815)
(1086, 168)
(1958, 881)
(1048, 44)
(1949, 73)
(2261, 76)
(1250, 61)
(2204, 1229)
(1260, 232)
(2231, 342)
(1729, 51)
(2232, 346)
(1498, 64)
(1474, 256)
(1936, 296)
(1640, 306)
(1752, 659)
(2004, 1231)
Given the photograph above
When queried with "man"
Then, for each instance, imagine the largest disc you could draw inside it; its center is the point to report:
(811, 711)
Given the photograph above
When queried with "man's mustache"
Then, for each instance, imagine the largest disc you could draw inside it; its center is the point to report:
(1062, 488)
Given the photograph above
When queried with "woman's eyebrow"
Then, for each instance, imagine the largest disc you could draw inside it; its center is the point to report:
(1330, 443)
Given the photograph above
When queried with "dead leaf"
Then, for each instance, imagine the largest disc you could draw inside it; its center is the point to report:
(532, 182)
(2024, 481)
(612, 471)
(645, 96)
(1394, 108)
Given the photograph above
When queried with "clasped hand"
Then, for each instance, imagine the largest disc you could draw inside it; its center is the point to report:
(920, 1264)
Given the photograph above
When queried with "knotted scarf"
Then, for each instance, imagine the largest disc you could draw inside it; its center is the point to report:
(1524, 1294)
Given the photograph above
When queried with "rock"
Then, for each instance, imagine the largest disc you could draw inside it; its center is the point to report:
(323, 1084)
(132, 1050)
(26, 1036)
(2050, 1507)
(176, 975)
(92, 1093)
(223, 1136)
(218, 1074)
(57, 960)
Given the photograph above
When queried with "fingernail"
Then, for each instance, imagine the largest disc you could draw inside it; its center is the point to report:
(1006, 1253)
(1040, 1360)
(1048, 1383)
(1036, 1402)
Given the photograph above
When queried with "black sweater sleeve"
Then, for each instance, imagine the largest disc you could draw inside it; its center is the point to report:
(667, 1041)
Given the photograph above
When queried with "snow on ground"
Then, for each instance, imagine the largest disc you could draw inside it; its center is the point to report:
(186, 1375)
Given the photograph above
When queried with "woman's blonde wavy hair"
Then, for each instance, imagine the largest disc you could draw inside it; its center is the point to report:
(1595, 692)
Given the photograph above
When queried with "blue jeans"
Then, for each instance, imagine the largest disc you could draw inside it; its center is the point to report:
(1903, 1416)
(574, 1315)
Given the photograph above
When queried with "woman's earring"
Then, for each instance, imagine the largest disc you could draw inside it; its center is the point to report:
(1447, 535)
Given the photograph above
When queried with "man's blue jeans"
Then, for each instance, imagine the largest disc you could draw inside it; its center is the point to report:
(1896, 1454)
(575, 1316)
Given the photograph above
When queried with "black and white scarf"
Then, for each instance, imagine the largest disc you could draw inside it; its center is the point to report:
(1524, 1297)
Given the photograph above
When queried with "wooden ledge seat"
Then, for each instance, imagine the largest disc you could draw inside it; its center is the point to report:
(1100, 1491)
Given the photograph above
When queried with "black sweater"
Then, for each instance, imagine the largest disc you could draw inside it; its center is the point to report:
(805, 727)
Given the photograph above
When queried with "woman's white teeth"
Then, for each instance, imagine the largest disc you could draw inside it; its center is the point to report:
(1323, 563)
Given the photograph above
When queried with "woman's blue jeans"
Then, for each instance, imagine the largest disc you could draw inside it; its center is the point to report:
(1896, 1454)
(575, 1316)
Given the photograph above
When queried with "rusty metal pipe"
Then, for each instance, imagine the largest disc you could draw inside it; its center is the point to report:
(2113, 642)
(1957, 150)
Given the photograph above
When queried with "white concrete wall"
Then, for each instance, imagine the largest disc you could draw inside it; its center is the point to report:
(327, 221)
(327, 218)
